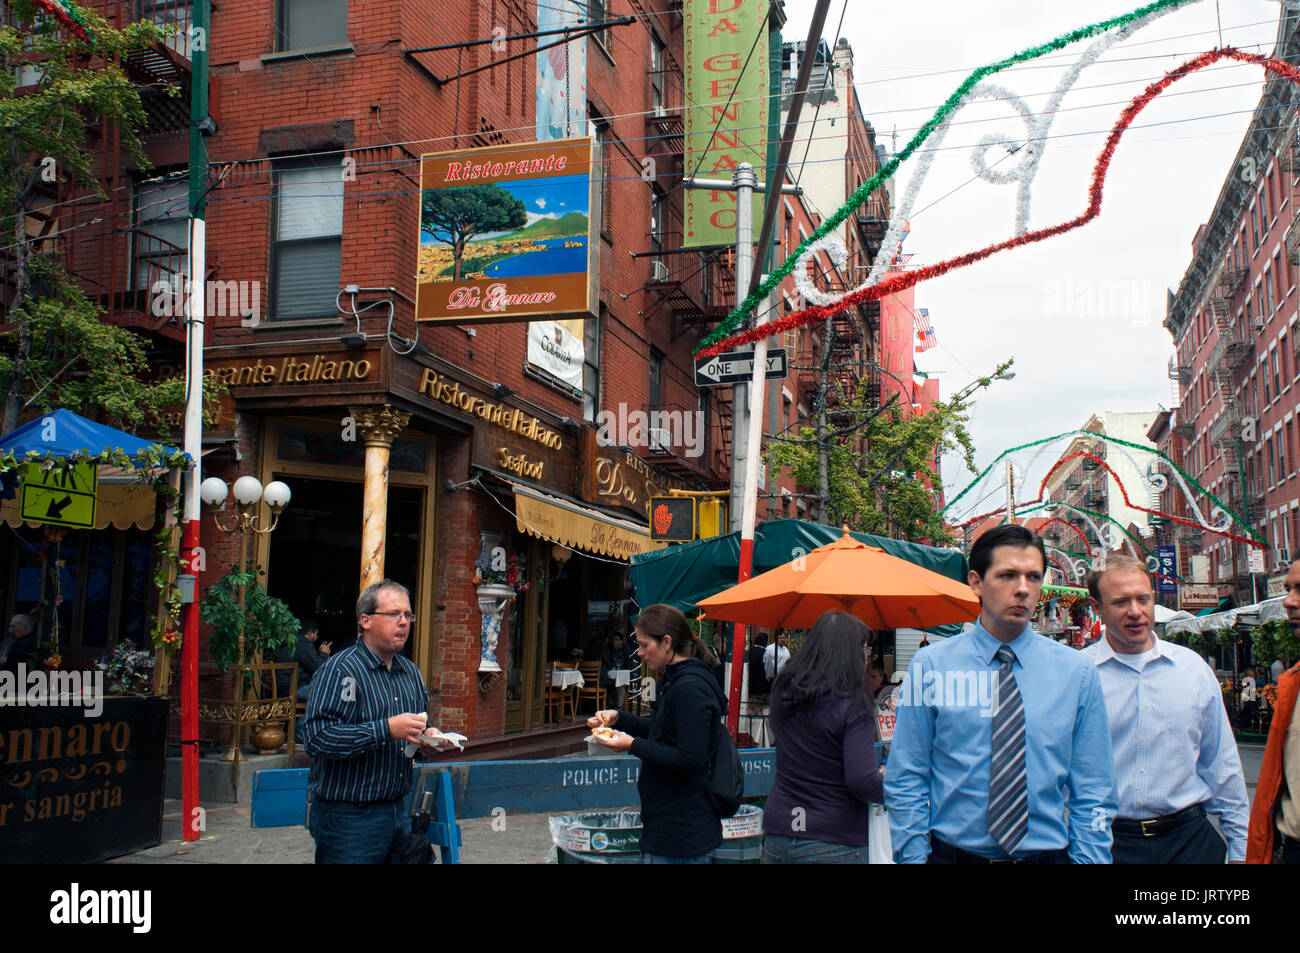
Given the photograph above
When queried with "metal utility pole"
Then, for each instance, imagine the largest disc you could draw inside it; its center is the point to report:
(200, 125)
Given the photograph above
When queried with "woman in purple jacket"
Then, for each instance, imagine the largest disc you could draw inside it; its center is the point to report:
(824, 720)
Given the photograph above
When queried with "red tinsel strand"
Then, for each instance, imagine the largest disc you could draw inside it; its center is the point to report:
(906, 280)
(1042, 488)
(60, 13)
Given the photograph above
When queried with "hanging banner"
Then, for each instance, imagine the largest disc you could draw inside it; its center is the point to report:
(555, 348)
(561, 74)
(506, 233)
(726, 110)
(1168, 569)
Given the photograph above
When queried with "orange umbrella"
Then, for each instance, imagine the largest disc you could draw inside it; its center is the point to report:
(882, 590)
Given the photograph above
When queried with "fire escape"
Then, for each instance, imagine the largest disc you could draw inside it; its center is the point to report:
(113, 244)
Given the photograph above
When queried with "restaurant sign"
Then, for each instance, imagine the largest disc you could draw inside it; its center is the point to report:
(1199, 597)
(81, 789)
(507, 233)
(613, 476)
(726, 109)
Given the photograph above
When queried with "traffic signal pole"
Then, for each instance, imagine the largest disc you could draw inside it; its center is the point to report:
(200, 124)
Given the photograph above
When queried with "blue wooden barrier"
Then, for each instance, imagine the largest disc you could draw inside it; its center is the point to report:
(468, 789)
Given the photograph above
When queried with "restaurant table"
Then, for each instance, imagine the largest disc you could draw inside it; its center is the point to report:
(563, 678)
(622, 678)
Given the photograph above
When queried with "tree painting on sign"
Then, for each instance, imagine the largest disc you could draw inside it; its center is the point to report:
(508, 229)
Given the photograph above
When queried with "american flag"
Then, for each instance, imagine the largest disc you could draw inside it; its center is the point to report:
(922, 320)
(928, 340)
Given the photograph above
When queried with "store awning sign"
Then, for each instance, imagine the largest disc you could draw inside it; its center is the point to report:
(560, 521)
(509, 233)
(63, 497)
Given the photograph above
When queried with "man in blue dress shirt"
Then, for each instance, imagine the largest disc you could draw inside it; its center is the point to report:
(1001, 750)
(366, 703)
(1175, 756)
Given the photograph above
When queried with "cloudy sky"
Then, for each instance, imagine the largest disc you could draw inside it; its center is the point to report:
(1081, 313)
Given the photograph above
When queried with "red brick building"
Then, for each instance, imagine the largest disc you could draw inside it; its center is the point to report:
(313, 239)
(1233, 320)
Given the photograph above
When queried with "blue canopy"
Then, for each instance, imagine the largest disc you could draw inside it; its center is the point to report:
(65, 434)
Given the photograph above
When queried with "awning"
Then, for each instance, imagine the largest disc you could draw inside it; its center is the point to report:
(122, 505)
(1266, 611)
(561, 521)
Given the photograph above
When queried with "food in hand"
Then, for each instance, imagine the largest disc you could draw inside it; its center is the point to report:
(606, 733)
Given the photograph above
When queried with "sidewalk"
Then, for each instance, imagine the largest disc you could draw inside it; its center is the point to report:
(229, 839)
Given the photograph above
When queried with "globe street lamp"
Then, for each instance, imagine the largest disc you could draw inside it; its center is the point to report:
(248, 493)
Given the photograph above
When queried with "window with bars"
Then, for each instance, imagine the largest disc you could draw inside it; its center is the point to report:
(599, 131)
(657, 102)
(591, 366)
(160, 239)
(307, 240)
(307, 24)
(597, 11)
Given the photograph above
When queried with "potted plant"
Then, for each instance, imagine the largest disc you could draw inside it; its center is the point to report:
(266, 624)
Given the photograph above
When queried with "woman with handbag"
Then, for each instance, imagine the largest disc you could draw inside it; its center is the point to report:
(824, 720)
(679, 822)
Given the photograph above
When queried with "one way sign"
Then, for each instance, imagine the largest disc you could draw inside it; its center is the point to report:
(737, 367)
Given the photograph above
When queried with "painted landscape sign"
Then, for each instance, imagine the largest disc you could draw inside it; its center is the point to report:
(506, 233)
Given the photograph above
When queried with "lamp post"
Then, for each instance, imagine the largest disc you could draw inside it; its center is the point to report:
(248, 493)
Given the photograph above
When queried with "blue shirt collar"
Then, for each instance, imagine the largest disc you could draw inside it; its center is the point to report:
(987, 646)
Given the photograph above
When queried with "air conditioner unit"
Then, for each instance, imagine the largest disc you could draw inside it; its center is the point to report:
(658, 270)
(660, 440)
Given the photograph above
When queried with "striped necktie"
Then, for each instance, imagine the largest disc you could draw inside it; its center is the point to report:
(1008, 794)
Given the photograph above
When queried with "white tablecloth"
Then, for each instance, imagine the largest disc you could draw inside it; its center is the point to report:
(621, 676)
(567, 678)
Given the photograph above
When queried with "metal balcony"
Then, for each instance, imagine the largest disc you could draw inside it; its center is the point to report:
(1224, 431)
(1293, 242)
(1178, 373)
(1232, 280)
(1185, 429)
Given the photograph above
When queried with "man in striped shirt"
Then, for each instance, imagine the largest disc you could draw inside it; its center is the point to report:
(366, 703)
(1175, 756)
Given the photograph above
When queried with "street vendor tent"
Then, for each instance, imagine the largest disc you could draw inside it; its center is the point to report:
(1266, 611)
(682, 575)
(123, 499)
(61, 433)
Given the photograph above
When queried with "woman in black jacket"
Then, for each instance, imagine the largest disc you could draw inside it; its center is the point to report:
(679, 824)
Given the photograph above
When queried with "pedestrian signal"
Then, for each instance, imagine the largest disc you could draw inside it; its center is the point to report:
(672, 518)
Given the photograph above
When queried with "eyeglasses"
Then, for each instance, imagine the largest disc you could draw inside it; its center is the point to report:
(399, 616)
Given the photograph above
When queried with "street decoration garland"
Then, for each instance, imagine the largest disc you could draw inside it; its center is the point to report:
(721, 339)
(1221, 518)
(69, 15)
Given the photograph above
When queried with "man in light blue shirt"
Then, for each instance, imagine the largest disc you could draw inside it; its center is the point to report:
(1001, 750)
(1175, 756)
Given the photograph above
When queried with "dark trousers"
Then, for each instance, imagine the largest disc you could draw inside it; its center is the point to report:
(1193, 842)
(942, 852)
(347, 833)
(1291, 851)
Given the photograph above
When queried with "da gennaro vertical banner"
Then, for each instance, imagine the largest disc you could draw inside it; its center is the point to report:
(726, 110)
(506, 233)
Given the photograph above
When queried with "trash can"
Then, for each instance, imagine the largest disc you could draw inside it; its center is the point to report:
(614, 837)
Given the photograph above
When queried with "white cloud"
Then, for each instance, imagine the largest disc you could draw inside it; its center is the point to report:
(540, 203)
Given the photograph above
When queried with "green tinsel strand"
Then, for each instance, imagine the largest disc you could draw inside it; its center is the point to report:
(859, 196)
(1133, 446)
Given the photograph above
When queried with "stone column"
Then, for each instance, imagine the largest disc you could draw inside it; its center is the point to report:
(378, 427)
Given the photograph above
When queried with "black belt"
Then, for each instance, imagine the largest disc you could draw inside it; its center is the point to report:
(1155, 826)
(948, 852)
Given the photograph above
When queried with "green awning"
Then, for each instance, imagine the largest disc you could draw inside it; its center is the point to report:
(684, 574)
